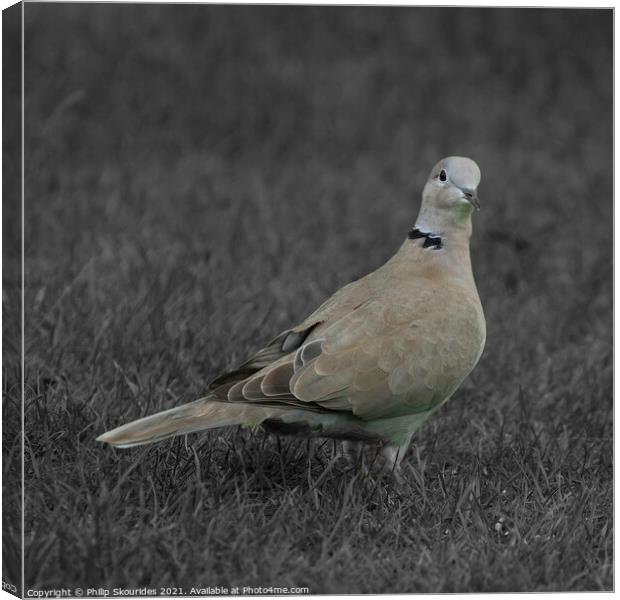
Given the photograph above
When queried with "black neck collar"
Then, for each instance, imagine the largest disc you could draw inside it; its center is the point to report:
(430, 239)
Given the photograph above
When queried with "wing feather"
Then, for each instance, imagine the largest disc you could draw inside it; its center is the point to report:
(276, 381)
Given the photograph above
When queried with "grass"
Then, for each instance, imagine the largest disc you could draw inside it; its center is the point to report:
(199, 178)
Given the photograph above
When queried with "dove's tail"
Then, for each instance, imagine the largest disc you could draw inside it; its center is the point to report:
(195, 416)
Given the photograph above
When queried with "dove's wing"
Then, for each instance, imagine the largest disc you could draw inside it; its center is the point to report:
(384, 357)
(339, 304)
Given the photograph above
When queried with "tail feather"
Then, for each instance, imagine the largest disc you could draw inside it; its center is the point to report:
(195, 416)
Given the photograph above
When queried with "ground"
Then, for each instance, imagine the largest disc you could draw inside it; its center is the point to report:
(199, 178)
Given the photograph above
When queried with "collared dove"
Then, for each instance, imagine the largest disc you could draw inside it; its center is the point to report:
(375, 360)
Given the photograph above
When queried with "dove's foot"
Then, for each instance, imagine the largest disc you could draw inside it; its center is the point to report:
(376, 464)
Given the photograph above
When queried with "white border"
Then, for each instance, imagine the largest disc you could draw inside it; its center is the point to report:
(481, 3)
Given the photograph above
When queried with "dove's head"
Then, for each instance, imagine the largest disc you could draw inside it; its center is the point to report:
(450, 194)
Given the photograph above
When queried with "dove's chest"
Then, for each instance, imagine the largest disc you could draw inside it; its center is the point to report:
(442, 328)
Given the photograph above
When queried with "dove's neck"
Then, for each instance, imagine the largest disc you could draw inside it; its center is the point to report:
(449, 235)
(452, 226)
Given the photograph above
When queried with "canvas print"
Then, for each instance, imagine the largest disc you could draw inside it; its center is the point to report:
(306, 300)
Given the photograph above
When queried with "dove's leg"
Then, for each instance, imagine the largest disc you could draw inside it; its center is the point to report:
(391, 457)
(389, 463)
(397, 433)
(350, 451)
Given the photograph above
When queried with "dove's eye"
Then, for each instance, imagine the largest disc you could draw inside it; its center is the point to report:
(443, 175)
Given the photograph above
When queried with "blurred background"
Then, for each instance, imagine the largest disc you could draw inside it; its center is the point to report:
(200, 177)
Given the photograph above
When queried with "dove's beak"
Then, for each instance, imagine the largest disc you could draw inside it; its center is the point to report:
(472, 196)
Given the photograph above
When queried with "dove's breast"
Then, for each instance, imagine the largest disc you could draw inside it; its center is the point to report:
(443, 329)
